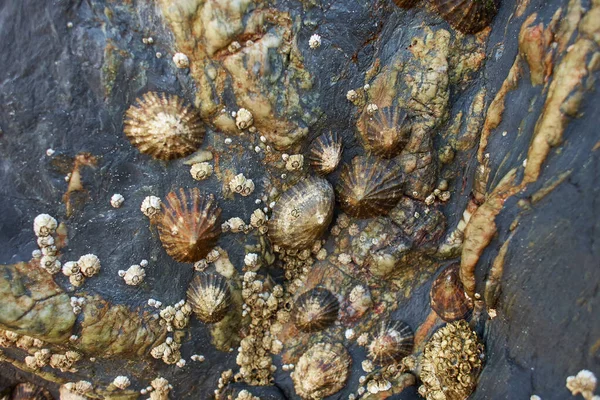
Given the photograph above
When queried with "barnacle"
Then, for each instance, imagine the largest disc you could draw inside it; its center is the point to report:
(369, 187)
(121, 382)
(315, 310)
(201, 171)
(188, 227)
(325, 153)
(387, 132)
(294, 162)
(134, 275)
(467, 16)
(321, 371)
(302, 214)
(448, 297)
(163, 126)
(44, 225)
(89, 264)
(181, 60)
(451, 363)
(393, 342)
(243, 118)
(209, 296)
(150, 206)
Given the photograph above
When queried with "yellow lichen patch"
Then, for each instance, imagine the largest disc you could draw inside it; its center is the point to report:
(569, 24)
(466, 57)
(33, 304)
(468, 138)
(482, 228)
(534, 43)
(492, 285)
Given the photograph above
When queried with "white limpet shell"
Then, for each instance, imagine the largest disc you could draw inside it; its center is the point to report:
(44, 225)
(150, 206)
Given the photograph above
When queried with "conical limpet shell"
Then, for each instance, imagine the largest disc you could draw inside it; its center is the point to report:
(209, 296)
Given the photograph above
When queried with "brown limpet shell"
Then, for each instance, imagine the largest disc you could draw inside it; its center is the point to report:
(369, 187)
(302, 214)
(448, 297)
(209, 296)
(325, 153)
(393, 342)
(467, 16)
(387, 132)
(189, 225)
(163, 126)
(406, 3)
(315, 310)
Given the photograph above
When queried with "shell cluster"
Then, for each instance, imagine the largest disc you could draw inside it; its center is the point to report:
(321, 371)
(315, 310)
(209, 296)
(393, 342)
(188, 227)
(241, 185)
(325, 153)
(302, 214)
(451, 363)
(163, 126)
(448, 297)
(467, 16)
(387, 132)
(87, 266)
(369, 187)
(44, 226)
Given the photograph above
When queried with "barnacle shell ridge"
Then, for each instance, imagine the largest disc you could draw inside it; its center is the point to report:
(369, 187)
(188, 227)
(321, 371)
(209, 296)
(163, 126)
(302, 214)
(315, 310)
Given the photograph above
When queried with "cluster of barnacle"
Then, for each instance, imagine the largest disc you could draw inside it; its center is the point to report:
(176, 316)
(13, 339)
(168, 351)
(466, 16)
(44, 226)
(241, 185)
(441, 193)
(80, 387)
(65, 362)
(87, 266)
(211, 257)
(451, 362)
(583, 383)
(159, 389)
(268, 308)
(135, 274)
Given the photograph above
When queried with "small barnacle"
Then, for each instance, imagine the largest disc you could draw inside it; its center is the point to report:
(89, 264)
(121, 382)
(448, 297)
(251, 261)
(321, 371)
(234, 46)
(161, 389)
(451, 363)
(77, 279)
(243, 118)
(209, 296)
(69, 268)
(302, 214)
(258, 218)
(163, 126)
(351, 95)
(393, 342)
(181, 60)
(188, 227)
(134, 275)
(315, 310)
(467, 16)
(344, 258)
(236, 184)
(315, 41)
(50, 264)
(201, 170)
(49, 250)
(235, 224)
(325, 153)
(372, 108)
(248, 188)
(583, 383)
(387, 132)
(294, 162)
(117, 200)
(45, 241)
(369, 187)
(150, 206)
(44, 225)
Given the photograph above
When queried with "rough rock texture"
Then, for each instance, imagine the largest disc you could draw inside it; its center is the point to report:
(507, 117)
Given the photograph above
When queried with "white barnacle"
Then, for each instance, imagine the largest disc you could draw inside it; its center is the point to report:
(583, 383)
(236, 224)
(117, 200)
(121, 382)
(251, 260)
(315, 41)
(70, 268)
(89, 264)
(201, 170)
(234, 46)
(49, 250)
(294, 162)
(44, 225)
(181, 60)
(372, 108)
(345, 258)
(150, 206)
(258, 218)
(236, 184)
(77, 279)
(134, 275)
(37, 253)
(45, 241)
(247, 188)
(243, 119)
(351, 95)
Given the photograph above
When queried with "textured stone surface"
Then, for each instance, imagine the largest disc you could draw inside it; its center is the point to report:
(66, 89)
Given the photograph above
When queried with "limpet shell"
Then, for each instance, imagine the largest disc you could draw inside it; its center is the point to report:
(315, 310)
(448, 297)
(325, 153)
(209, 296)
(467, 16)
